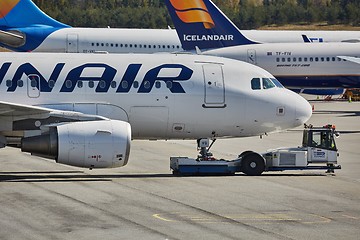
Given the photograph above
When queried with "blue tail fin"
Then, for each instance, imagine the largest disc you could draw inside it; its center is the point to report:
(200, 23)
(24, 13)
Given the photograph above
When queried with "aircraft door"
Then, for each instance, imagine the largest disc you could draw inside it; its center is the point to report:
(33, 86)
(72, 43)
(214, 85)
(251, 56)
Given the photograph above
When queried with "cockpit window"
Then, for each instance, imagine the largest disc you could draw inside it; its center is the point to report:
(267, 83)
(277, 83)
(255, 84)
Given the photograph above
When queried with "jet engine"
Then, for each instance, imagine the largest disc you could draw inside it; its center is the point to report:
(91, 144)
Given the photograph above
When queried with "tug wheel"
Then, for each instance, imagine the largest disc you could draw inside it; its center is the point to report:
(253, 164)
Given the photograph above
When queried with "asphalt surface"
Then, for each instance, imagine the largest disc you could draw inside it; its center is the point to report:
(44, 200)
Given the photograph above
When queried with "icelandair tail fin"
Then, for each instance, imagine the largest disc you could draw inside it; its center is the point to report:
(24, 13)
(201, 23)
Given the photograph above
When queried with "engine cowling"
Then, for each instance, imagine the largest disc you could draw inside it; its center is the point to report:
(93, 144)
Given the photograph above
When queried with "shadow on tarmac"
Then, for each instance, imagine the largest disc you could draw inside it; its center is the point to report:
(79, 176)
(343, 113)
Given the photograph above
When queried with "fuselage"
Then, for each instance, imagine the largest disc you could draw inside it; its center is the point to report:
(162, 96)
(116, 40)
(301, 65)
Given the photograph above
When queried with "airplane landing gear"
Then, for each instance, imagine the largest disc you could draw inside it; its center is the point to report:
(203, 147)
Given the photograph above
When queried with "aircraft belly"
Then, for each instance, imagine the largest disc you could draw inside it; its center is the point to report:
(149, 121)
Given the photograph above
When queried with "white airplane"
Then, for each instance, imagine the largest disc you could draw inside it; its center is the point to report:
(201, 23)
(84, 109)
(24, 27)
(295, 65)
(304, 66)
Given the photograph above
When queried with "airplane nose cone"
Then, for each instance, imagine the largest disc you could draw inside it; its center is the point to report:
(303, 111)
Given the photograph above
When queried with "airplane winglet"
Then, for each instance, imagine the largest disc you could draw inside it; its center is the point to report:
(198, 51)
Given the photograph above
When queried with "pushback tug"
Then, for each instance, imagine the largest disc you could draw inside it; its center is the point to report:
(318, 151)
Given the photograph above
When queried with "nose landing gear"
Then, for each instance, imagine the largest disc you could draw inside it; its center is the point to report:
(204, 149)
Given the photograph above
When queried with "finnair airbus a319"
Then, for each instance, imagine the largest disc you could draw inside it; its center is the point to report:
(24, 27)
(84, 109)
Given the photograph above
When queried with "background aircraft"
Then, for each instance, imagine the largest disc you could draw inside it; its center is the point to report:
(295, 65)
(201, 23)
(24, 27)
(83, 109)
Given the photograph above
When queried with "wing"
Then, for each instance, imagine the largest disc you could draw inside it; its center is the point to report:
(350, 59)
(17, 120)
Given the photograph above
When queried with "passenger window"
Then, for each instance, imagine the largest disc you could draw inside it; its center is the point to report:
(20, 83)
(316, 59)
(147, 84)
(305, 59)
(51, 83)
(80, 84)
(277, 59)
(68, 83)
(267, 83)
(311, 59)
(102, 84)
(157, 84)
(136, 84)
(300, 59)
(113, 84)
(294, 59)
(124, 84)
(255, 84)
(283, 59)
(91, 84)
(169, 84)
(327, 59)
(9, 83)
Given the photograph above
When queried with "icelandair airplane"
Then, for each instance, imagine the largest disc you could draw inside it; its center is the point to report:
(295, 65)
(84, 109)
(24, 27)
(201, 23)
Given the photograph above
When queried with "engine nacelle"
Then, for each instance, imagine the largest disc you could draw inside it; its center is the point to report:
(93, 144)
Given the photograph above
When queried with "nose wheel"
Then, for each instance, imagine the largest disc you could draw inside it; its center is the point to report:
(203, 147)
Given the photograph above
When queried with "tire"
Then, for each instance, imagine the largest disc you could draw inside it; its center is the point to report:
(253, 164)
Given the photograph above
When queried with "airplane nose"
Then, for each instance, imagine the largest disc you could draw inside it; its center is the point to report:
(303, 111)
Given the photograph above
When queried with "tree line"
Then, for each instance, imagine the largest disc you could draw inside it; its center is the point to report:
(246, 14)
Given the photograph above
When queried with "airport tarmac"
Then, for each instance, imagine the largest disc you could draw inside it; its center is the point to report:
(44, 200)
